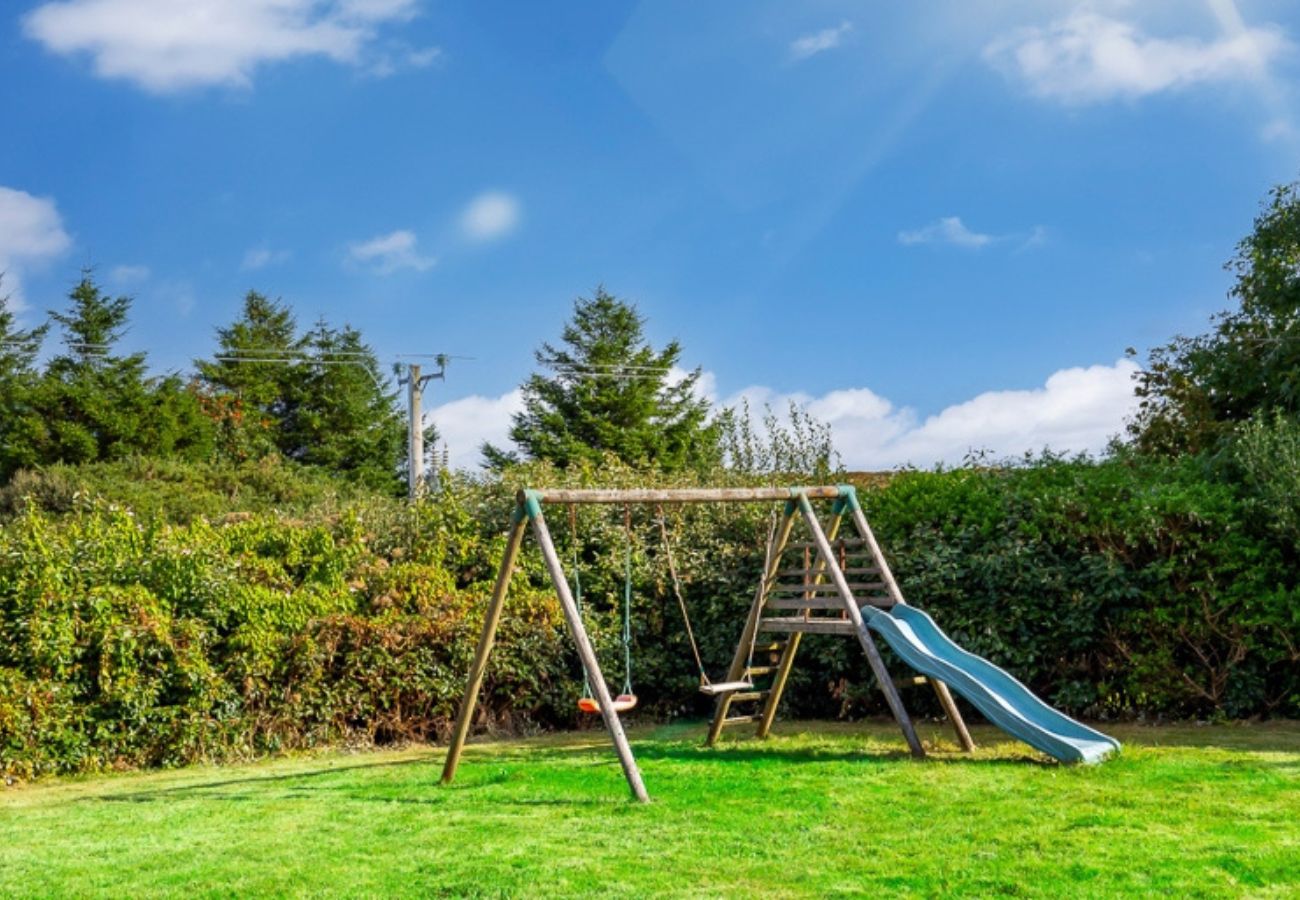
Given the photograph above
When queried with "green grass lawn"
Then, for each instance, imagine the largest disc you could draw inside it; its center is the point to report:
(819, 809)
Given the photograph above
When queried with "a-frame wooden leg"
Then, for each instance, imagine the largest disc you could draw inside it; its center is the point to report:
(749, 632)
(490, 620)
(588, 656)
(945, 695)
(878, 669)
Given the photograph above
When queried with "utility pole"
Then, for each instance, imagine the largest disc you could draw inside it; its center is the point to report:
(415, 383)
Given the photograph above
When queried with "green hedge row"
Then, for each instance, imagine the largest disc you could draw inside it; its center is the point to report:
(1127, 587)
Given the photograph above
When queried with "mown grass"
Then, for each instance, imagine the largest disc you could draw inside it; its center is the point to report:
(821, 809)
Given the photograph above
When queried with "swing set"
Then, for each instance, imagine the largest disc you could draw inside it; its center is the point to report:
(814, 586)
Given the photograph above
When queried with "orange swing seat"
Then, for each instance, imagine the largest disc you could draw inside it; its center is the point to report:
(622, 703)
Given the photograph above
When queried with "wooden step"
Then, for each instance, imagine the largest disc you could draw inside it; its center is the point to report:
(748, 695)
(835, 543)
(751, 671)
(806, 574)
(824, 587)
(774, 647)
(742, 720)
(826, 602)
(808, 626)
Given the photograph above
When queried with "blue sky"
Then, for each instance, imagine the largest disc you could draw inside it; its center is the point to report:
(939, 231)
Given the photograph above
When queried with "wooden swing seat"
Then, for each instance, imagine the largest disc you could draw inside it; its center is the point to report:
(622, 703)
(713, 689)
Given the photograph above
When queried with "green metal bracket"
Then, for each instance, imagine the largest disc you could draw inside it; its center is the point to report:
(846, 501)
(530, 504)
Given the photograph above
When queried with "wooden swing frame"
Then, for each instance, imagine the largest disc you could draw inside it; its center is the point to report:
(798, 503)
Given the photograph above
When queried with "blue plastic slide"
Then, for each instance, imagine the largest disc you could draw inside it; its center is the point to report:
(1002, 699)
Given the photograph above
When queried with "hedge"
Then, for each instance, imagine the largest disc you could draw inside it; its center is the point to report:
(1128, 587)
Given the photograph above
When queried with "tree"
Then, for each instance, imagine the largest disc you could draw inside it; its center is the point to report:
(317, 398)
(608, 391)
(97, 405)
(1194, 392)
(20, 421)
(249, 383)
(339, 415)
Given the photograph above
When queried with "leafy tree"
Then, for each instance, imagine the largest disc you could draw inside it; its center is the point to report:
(20, 422)
(609, 391)
(95, 404)
(1195, 391)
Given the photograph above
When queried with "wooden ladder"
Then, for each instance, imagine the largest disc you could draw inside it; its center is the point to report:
(803, 596)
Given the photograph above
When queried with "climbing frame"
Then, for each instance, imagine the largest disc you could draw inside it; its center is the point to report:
(810, 594)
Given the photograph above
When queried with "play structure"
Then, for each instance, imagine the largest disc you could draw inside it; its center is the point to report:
(814, 581)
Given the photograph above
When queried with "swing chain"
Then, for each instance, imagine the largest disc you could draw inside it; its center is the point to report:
(677, 592)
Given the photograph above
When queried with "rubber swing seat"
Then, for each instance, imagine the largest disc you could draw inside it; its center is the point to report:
(622, 703)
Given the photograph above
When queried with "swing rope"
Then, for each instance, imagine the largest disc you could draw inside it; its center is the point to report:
(677, 592)
(626, 699)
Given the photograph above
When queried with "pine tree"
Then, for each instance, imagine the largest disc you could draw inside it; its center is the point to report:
(20, 420)
(608, 391)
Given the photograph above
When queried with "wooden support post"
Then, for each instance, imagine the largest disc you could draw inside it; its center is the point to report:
(490, 619)
(816, 574)
(945, 695)
(864, 637)
(750, 631)
(588, 656)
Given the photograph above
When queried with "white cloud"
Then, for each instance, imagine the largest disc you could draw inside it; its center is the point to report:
(1075, 410)
(1089, 58)
(261, 257)
(948, 230)
(129, 274)
(489, 216)
(465, 424)
(388, 253)
(171, 45)
(820, 41)
(31, 234)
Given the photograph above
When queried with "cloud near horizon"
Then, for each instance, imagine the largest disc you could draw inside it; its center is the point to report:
(1075, 410)
(1088, 58)
(166, 46)
(31, 234)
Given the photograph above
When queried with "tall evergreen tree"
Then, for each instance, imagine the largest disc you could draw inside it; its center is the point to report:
(608, 391)
(20, 420)
(339, 415)
(252, 378)
(97, 405)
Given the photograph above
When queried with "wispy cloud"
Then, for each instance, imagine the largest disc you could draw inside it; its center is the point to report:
(1091, 58)
(261, 257)
(389, 253)
(1075, 410)
(31, 234)
(820, 41)
(490, 216)
(166, 46)
(948, 230)
(129, 274)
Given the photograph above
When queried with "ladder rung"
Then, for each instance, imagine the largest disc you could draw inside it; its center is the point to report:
(826, 602)
(835, 543)
(805, 574)
(774, 647)
(914, 681)
(825, 587)
(742, 720)
(809, 626)
(749, 695)
(760, 670)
